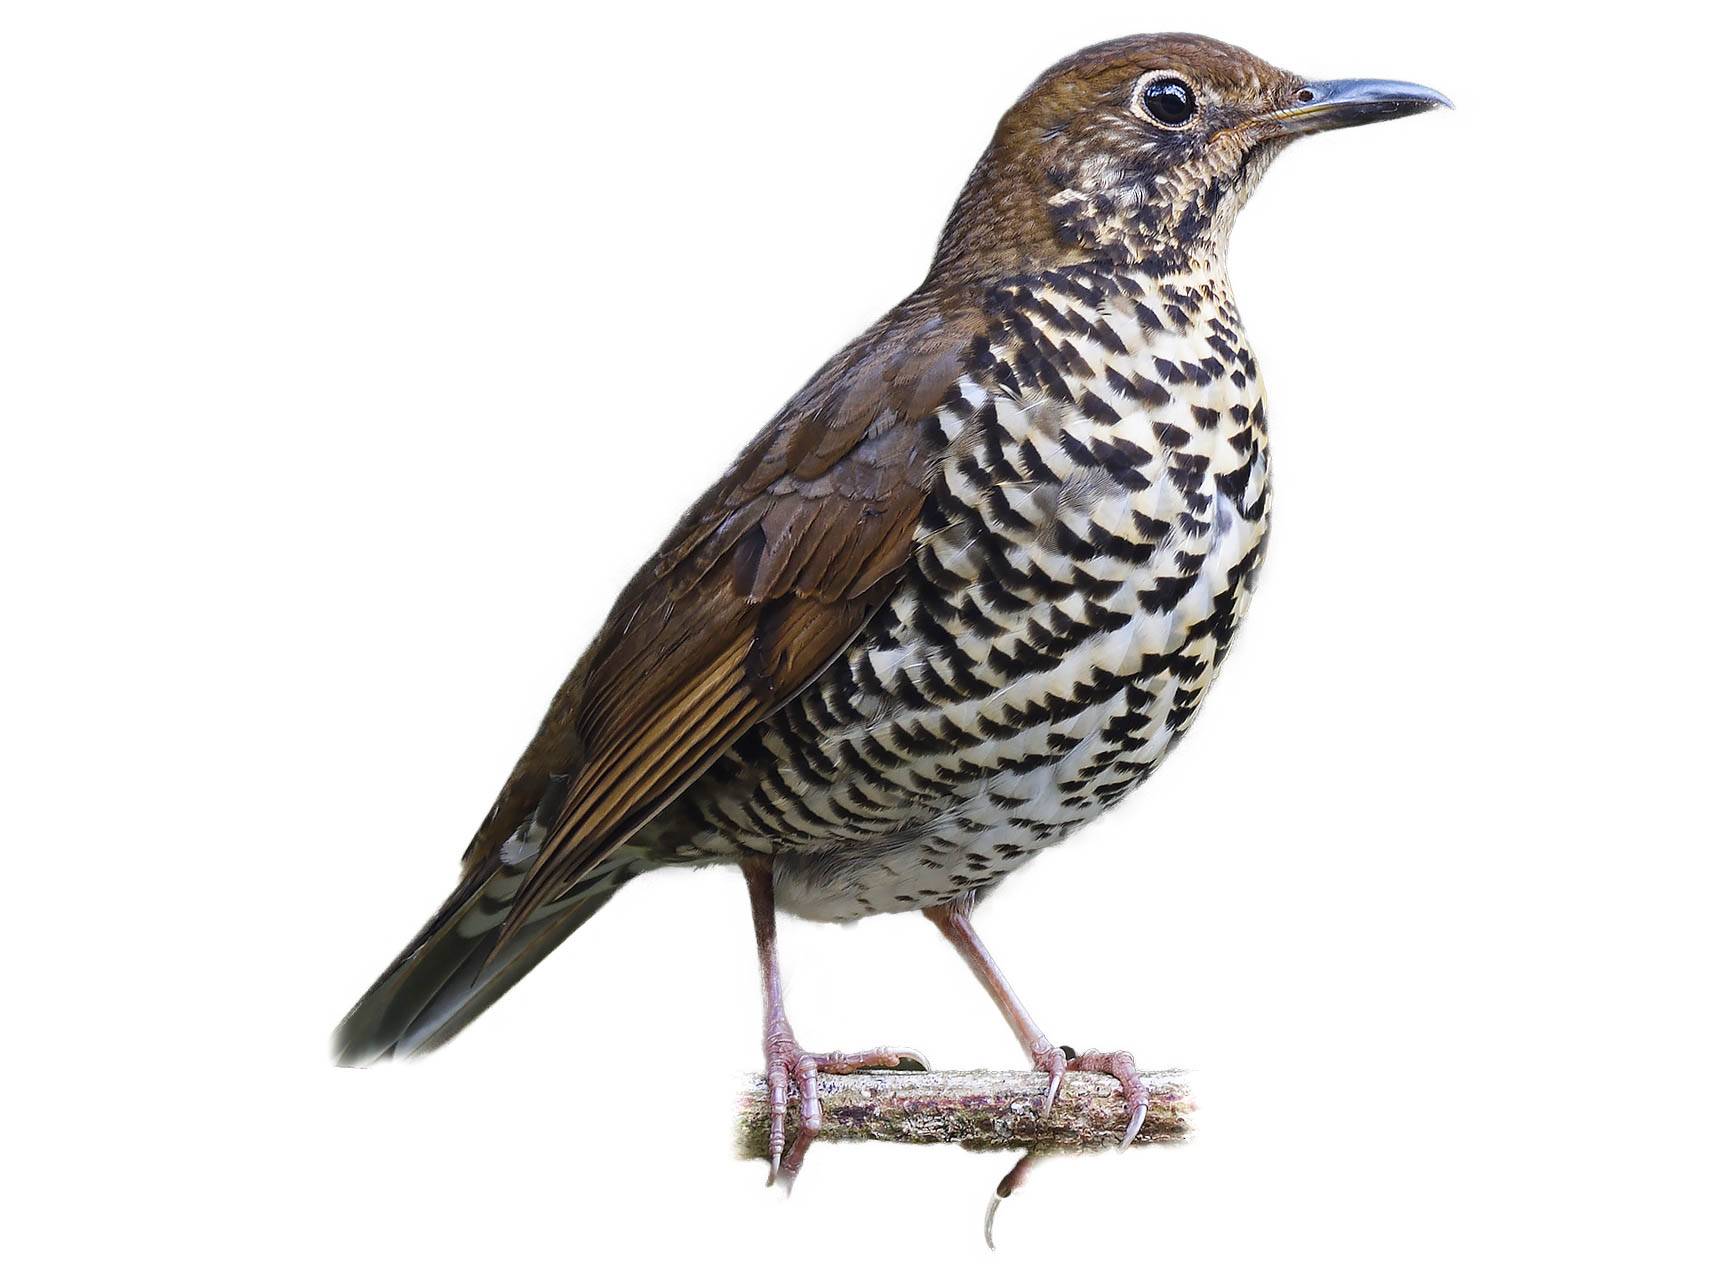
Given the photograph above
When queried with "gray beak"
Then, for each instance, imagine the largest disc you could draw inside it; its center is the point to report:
(1337, 104)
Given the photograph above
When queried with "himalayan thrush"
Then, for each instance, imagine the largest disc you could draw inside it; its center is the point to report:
(960, 596)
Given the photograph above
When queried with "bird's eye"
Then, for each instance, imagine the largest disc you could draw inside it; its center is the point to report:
(1168, 100)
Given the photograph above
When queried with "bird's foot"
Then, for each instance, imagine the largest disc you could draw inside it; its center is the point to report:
(1055, 1062)
(1121, 1066)
(788, 1066)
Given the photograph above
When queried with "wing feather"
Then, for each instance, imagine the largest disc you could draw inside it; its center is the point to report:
(765, 580)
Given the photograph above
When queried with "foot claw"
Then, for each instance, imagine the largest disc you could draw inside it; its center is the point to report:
(1121, 1066)
(1136, 1119)
(778, 1103)
(788, 1067)
(1054, 1063)
(1006, 1187)
(872, 1059)
(808, 1127)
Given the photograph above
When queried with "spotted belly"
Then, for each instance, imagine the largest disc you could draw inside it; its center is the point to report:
(979, 719)
(1081, 566)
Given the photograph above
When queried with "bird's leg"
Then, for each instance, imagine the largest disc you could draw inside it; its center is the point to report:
(953, 920)
(787, 1063)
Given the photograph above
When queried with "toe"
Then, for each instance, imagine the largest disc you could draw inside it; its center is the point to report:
(1121, 1066)
(778, 1102)
(872, 1059)
(1054, 1063)
(809, 1120)
(789, 1066)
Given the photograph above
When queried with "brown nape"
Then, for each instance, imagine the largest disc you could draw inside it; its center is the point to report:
(1003, 221)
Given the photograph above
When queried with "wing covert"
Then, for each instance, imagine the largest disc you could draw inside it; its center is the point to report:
(765, 580)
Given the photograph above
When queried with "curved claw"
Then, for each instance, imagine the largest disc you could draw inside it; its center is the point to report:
(1136, 1119)
(778, 1102)
(872, 1059)
(789, 1066)
(1004, 1190)
(806, 1075)
(1054, 1063)
(1121, 1066)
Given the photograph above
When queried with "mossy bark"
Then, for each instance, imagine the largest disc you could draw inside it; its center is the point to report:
(977, 1109)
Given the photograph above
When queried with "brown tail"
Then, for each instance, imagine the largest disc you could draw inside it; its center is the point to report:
(451, 972)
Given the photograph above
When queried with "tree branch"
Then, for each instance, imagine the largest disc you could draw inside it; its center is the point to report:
(977, 1109)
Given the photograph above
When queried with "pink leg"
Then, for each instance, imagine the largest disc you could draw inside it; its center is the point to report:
(953, 920)
(787, 1063)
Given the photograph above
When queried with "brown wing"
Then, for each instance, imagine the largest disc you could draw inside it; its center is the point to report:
(766, 579)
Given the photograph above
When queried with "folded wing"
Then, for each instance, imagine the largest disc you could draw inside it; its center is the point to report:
(769, 576)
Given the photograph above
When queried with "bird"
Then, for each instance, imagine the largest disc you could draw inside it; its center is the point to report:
(957, 599)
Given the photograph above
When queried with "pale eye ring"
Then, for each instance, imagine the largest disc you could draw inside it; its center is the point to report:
(1166, 99)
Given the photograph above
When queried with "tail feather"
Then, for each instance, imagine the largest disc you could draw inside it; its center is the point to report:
(451, 972)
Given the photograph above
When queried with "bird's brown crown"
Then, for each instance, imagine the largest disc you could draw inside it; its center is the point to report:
(1140, 149)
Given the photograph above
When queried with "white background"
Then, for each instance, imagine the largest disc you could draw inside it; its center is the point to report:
(354, 354)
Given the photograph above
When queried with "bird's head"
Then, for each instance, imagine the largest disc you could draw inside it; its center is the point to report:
(1144, 149)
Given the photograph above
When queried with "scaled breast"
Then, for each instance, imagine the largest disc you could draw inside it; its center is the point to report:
(1085, 555)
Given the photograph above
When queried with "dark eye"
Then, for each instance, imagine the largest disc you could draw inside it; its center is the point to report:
(1168, 100)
